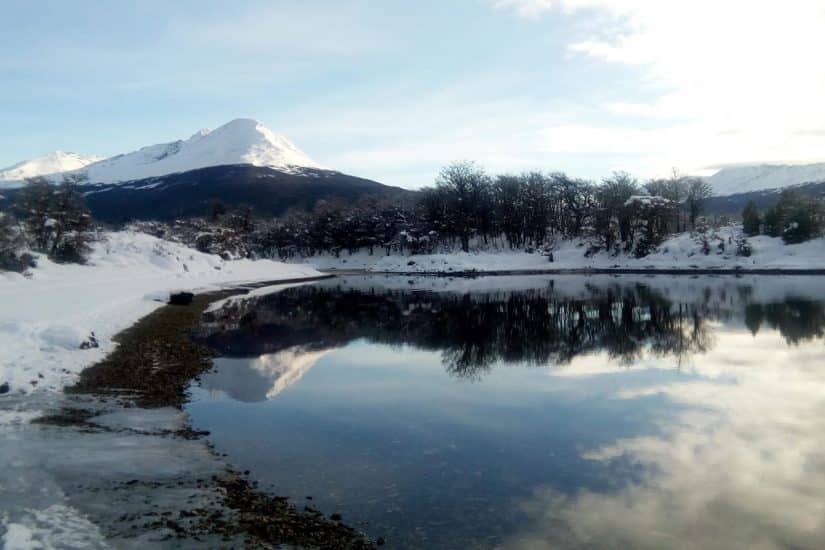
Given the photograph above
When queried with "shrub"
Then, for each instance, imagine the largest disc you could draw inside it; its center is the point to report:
(56, 219)
(11, 242)
(743, 247)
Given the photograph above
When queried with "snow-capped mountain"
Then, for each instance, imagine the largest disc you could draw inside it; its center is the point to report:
(241, 165)
(53, 163)
(744, 179)
(238, 142)
(241, 141)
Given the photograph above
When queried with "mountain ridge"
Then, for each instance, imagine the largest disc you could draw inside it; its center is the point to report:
(762, 177)
(238, 142)
(45, 165)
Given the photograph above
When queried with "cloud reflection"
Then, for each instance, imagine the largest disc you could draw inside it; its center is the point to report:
(741, 467)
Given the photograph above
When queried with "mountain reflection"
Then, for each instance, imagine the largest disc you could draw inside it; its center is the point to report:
(474, 331)
(263, 377)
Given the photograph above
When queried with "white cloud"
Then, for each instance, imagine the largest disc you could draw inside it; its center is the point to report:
(732, 81)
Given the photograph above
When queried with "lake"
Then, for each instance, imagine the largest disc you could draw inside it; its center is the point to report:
(531, 412)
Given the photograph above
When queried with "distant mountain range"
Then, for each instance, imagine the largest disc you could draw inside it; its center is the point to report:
(760, 177)
(241, 163)
(735, 187)
(734, 204)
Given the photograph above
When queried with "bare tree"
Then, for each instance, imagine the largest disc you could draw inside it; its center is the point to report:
(613, 219)
(698, 191)
(466, 188)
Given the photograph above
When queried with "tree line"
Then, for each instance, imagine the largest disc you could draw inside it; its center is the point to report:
(468, 208)
(464, 209)
(795, 217)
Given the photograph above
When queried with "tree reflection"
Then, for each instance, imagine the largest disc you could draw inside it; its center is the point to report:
(476, 331)
(796, 320)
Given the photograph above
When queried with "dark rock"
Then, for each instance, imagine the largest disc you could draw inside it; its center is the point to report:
(380, 541)
(4, 388)
(90, 342)
(335, 517)
(181, 298)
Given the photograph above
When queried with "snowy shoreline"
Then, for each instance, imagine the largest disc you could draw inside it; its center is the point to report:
(681, 254)
(48, 315)
(46, 324)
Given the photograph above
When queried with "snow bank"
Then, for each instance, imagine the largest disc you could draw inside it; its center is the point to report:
(681, 251)
(46, 317)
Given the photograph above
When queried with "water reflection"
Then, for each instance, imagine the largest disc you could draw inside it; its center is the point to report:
(472, 332)
(740, 466)
(262, 377)
(618, 413)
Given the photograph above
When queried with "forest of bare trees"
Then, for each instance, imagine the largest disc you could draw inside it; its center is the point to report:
(466, 207)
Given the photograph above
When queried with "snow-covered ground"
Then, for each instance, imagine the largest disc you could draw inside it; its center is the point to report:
(681, 251)
(45, 317)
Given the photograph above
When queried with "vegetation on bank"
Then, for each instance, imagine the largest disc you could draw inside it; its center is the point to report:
(795, 217)
(465, 207)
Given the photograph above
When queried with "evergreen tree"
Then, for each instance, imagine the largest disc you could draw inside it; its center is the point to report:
(751, 221)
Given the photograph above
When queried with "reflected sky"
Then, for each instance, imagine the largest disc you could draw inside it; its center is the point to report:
(707, 432)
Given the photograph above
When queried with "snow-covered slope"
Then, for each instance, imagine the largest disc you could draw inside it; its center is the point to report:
(53, 163)
(240, 141)
(742, 179)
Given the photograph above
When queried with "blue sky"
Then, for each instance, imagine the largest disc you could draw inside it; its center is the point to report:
(393, 90)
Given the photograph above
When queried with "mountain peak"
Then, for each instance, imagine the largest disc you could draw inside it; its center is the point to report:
(244, 123)
(239, 141)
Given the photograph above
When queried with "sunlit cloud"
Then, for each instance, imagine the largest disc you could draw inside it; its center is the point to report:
(730, 82)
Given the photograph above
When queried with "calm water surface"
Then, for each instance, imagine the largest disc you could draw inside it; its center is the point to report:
(532, 412)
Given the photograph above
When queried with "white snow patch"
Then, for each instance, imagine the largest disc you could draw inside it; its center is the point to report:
(57, 526)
